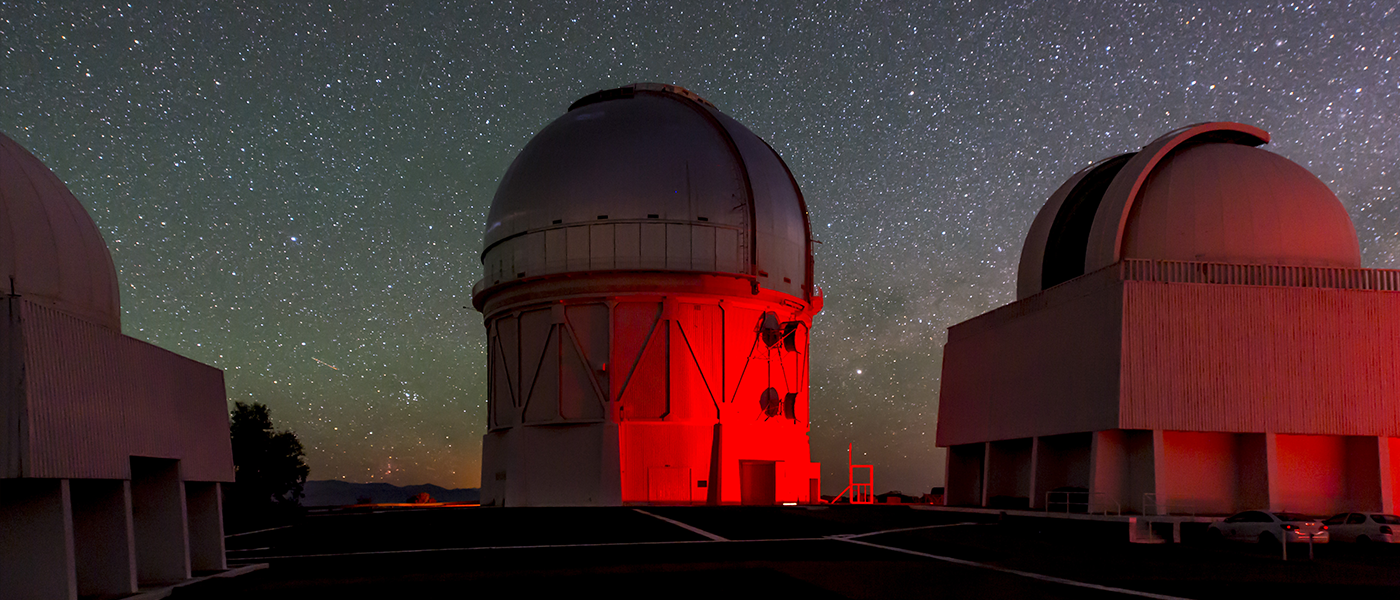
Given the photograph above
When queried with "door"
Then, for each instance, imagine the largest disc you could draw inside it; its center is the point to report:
(758, 482)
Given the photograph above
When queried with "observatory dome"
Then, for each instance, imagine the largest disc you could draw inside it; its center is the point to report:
(1202, 193)
(50, 250)
(648, 177)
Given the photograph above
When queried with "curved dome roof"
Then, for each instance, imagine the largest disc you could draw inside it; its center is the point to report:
(50, 250)
(1201, 193)
(648, 177)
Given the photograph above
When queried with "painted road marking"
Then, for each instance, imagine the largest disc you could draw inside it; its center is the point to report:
(258, 531)
(1027, 574)
(851, 536)
(532, 547)
(684, 526)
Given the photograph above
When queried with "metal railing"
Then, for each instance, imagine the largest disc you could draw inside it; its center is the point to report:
(1168, 507)
(1093, 502)
(1176, 271)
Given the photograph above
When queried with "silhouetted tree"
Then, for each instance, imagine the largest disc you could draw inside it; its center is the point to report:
(421, 498)
(269, 467)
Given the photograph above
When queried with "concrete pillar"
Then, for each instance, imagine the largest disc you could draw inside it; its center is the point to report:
(1107, 469)
(1389, 463)
(160, 522)
(1159, 472)
(36, 540)
(206, 525)
(1036, 498)
(986, 471)
(103, 539)
(965, 478)
(1271, 467)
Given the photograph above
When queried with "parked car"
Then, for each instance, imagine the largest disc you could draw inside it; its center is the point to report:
(1365, 527)
(1269, 527)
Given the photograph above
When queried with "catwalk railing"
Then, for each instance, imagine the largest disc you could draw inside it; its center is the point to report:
(1172, 271)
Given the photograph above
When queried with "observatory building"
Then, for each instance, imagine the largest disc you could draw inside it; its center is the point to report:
(111, 450)
(647, 301)
(1193, 332)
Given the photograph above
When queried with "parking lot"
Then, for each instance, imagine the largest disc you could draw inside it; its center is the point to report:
(821, 552)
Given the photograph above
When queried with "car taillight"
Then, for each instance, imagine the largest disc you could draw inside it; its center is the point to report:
(1385, 529)
(1289, 527)
(1324, 528)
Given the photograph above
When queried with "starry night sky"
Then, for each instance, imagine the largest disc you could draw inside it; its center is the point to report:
(296, 194)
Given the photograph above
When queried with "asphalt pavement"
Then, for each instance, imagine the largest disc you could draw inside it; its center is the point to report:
(809, 552)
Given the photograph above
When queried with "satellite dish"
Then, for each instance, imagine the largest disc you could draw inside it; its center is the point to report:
(790, 406)
(790, 335)
(770, 329)
(771, 404)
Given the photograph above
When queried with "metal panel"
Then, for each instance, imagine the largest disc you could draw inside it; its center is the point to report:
(556, 251)
(13, 431)
(728, 250)
(600, 247)
(1046, 365)
(577, 253)
(628, 246)
(678, 247)
(653, 246)
(76, 422)
(1256, 359)
(96, 397)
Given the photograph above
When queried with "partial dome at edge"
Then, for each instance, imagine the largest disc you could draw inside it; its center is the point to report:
(51, 252)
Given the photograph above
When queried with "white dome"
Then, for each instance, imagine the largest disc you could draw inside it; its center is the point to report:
(1202, 193)
(50, 250)
(1230, 203)
(648, 177)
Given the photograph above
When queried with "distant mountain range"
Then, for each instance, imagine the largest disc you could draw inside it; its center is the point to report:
(342, 493)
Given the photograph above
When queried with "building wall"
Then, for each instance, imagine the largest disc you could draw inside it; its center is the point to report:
(1045, 365)
(91, 397)
(1212, 357)
(679, 379)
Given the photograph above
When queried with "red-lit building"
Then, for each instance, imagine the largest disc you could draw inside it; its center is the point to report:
(1193, 332)
(647, 299)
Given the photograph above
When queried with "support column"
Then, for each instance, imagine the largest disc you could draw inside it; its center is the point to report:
(160, 521)
(1271, 461)
(103, 539)
(36, 539)
(1106, 468)
(1036, 498)
(206, 526)
(1388, 468)
(986, 471)
(1159, 471)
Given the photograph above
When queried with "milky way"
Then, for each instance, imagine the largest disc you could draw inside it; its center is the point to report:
(296, 195)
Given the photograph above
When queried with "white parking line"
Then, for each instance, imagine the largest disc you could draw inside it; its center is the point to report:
(851, 536)
(684, 526)
(258, 531)
(533, 547)
(1036, 576)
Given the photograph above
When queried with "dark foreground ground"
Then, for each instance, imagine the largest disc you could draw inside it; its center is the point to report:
(885, 552)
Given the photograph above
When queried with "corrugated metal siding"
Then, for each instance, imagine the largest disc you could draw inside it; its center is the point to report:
(1254, 359)
(13, 432)
(76, 422)
(96, 397)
